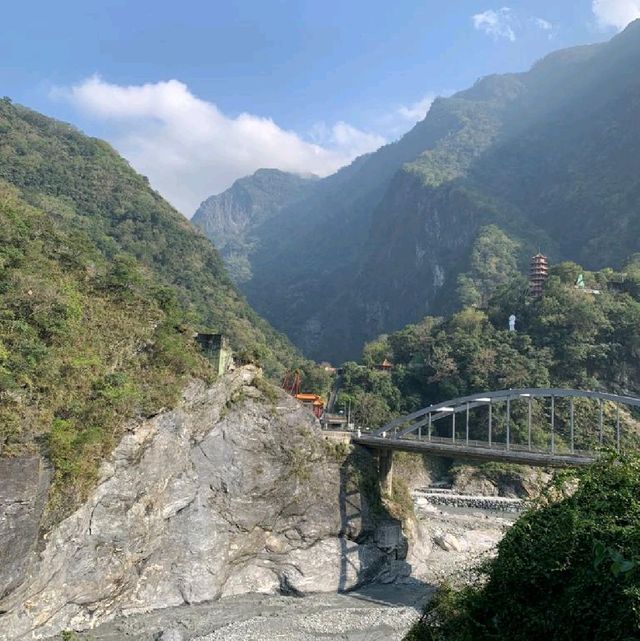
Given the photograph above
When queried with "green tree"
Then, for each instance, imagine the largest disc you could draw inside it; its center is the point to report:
(568, 569)
(492, 262)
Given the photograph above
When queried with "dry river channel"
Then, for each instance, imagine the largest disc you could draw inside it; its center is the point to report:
(462, 529)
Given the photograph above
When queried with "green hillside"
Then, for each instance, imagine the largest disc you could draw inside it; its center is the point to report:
(550, 156)
(568, 338)
(102, 286)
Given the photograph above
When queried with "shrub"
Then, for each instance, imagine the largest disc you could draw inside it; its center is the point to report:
(568, 569)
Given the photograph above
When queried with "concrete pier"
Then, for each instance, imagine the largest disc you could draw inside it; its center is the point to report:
(385, 470)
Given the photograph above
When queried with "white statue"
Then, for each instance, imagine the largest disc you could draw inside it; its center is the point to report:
(512, 323)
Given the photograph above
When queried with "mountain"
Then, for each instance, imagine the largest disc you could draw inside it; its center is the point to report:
(549, 156)
(230, 219)
(102, 286)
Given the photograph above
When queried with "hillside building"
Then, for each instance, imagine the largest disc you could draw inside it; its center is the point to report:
(538, 274)
(216, 348)
(313, 402)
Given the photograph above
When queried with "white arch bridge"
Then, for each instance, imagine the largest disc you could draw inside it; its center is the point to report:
(547, 427)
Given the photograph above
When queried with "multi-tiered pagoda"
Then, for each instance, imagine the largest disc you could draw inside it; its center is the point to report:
(538, 274)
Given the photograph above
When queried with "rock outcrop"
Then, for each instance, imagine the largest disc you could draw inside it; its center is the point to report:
(513, 481)
(24, 482)
(234, 491)
(230, 219)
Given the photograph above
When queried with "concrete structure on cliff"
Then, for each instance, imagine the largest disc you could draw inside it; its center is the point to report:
(216, 348)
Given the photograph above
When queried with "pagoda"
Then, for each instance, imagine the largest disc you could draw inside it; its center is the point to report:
(538, 274)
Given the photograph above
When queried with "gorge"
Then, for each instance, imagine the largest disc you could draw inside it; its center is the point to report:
(547, 155)
(151, 492)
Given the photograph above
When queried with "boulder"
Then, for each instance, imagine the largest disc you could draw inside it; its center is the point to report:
(170, 635)
(449, 543)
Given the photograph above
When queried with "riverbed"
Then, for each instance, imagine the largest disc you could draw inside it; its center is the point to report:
(458, 537)
(375, 613)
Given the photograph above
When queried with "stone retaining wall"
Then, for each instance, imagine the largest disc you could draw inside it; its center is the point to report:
(499, 503)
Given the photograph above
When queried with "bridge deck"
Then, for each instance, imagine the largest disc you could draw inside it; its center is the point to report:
(477, 452)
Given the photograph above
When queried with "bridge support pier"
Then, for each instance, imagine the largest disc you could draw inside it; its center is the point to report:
(385, 471)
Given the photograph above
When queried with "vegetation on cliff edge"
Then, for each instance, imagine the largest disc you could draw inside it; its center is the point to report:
(102, 286)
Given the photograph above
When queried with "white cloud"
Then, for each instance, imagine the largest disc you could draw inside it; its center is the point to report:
(417, 110)
(615, 13)
(543, 24)
(396, 121)
(496, 23)
(344, 136)
(508, 24)
(189, 149)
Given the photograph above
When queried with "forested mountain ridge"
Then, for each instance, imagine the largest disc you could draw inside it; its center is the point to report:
(102, 286)
(230, 219)
(549, 155)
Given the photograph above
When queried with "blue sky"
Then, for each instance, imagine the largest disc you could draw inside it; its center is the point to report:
(196, 94)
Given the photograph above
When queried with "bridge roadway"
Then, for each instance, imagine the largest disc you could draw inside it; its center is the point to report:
(476, 451)
(416, 432)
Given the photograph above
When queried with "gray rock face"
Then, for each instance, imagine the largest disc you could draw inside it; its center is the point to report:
(514, 482)
(23, 491)
(226, 494)
(231, 218)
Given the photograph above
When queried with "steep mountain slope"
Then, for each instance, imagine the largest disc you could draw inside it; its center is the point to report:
(102, 285)
(550, 156)
(562, 172)
(304, 255)
(229, 219)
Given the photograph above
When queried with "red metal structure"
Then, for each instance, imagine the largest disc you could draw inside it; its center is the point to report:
(291, 382)
(291, 385)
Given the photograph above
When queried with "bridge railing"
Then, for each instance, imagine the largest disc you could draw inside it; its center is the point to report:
(420, 425)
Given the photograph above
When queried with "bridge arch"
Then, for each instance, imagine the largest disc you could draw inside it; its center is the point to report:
(414, 432)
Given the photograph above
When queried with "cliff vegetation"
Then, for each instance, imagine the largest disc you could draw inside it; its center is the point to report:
(102, 287)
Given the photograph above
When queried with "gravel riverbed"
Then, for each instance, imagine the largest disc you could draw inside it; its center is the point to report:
(461, 537)
(375, 613)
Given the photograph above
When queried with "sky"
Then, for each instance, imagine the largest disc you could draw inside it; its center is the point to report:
(197, 93)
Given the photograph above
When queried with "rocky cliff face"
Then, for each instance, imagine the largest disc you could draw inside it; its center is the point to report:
(234, 491)
(231, 218)
(24, 482)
